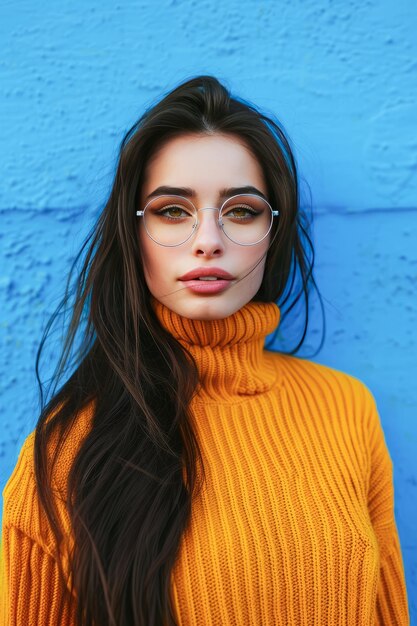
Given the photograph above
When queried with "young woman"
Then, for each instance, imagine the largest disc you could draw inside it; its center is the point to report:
(182, 474)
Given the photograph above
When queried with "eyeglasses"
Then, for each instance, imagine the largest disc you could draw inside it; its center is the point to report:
(172, 220)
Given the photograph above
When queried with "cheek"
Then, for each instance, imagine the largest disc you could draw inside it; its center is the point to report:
(258, 258)
(260, 273)
(148, 255)
(156, 261)
(259, 261)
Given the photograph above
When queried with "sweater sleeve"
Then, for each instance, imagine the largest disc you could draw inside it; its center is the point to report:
(31, 587)
(391, 609)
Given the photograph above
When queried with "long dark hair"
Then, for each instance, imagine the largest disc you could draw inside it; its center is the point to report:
(131, 483)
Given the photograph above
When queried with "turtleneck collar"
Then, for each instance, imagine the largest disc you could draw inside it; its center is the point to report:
(229, 353)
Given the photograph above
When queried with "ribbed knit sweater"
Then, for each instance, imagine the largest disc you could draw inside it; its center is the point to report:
(295, 523)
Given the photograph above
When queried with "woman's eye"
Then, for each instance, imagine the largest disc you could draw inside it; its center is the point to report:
(174, 212)
(240, 212)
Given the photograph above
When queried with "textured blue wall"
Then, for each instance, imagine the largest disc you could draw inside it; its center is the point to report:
(340, 75)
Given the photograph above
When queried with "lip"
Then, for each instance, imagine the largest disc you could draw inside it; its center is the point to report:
(206, 271)
(192, 282)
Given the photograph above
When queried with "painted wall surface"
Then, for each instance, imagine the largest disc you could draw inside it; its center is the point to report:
(341, 76)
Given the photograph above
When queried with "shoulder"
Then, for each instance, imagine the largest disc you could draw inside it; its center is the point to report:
(19, 487)
(325, 383)
(22, 508)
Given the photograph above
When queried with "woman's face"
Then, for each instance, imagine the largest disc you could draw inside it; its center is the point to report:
(211, 168)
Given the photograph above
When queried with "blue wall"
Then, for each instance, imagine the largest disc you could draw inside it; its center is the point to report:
(340, 75)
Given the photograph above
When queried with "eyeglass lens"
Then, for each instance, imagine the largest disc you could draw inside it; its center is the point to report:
(171, 220)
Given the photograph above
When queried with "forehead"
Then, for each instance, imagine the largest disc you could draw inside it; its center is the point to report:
(203, 162)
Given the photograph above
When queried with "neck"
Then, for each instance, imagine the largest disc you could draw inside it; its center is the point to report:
(229, 353)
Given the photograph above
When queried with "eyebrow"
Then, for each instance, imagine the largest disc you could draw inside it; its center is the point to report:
(187, 192)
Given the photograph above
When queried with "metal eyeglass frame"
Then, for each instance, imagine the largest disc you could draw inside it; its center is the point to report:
(197, 223)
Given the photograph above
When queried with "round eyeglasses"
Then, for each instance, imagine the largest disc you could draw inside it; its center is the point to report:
(172, 220)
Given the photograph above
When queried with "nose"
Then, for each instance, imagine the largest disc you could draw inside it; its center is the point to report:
(208, 240)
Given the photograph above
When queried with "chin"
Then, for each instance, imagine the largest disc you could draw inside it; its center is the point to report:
(207, 309)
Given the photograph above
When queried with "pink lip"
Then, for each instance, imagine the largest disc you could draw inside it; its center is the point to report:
(192, 282)
(208, 287)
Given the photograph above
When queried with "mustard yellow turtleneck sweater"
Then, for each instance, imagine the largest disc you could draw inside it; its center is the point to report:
(295, 523)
